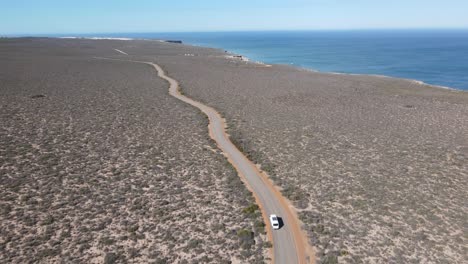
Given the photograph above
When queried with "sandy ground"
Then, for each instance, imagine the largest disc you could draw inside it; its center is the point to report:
(289, 246)
(99, 164)
(376, 166)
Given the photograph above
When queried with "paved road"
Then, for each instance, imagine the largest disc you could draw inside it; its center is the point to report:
(288, 244)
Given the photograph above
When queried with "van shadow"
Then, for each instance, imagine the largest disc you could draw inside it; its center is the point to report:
(280, 222)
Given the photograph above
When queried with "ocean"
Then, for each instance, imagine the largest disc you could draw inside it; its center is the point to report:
(438, 57)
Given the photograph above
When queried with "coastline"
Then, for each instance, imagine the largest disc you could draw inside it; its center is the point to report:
(330, 72)
(364, 160)
(247, 59)
(242, 57)
(343, 148)
(341, 73)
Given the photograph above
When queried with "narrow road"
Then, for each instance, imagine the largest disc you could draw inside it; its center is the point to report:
(289, 243)
(121, 52)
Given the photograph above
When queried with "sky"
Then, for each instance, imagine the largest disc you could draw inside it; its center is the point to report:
(109, 16)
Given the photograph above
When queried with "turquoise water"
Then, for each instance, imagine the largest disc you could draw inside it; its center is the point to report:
(438, 57)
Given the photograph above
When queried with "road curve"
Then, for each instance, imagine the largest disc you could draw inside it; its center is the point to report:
(289, 243)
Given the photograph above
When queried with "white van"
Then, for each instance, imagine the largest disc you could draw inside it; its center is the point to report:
(274, 221)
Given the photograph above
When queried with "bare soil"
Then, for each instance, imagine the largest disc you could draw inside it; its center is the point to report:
(98, 164)
(376, 166)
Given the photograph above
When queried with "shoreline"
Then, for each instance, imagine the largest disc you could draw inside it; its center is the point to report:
(422, 83)
(359, 157)
(247, 60)
(341, 148)
(235, 55)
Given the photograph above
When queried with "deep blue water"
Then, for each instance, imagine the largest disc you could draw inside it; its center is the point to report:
(438, 57)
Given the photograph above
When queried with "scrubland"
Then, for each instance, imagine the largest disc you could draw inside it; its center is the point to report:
(98, 164)
(375, 166)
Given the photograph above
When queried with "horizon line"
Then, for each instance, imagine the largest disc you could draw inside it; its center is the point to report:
(239, 30)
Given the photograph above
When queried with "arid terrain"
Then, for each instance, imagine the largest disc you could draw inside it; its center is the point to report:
(98, 164)
(376, 166)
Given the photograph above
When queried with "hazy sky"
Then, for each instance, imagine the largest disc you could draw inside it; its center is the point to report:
(94, 16)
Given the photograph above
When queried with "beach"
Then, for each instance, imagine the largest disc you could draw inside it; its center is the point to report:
(376, 167)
